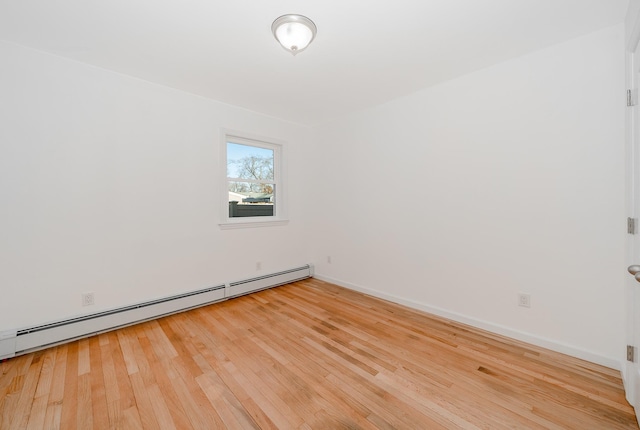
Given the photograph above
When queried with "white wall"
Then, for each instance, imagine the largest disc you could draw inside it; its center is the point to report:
(111, 184)
(516, 178)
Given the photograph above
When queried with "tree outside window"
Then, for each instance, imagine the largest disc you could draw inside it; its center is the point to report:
(251, 178)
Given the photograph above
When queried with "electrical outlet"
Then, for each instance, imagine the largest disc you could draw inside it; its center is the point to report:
(524, 300)
(258, 265)
(88, 299)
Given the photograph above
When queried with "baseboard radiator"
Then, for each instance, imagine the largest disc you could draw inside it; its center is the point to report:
(22, 341)
(238, 288)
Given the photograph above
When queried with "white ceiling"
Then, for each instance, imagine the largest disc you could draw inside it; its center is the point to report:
(366, 51)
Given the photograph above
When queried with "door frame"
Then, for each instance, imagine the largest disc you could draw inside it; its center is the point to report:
(629, 370)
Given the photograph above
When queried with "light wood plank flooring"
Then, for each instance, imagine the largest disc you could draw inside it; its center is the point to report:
(308, 355)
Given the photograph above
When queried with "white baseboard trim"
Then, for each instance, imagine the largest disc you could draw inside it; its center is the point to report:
(484, 325)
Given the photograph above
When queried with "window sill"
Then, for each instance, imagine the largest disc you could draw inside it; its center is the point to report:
(230, 225)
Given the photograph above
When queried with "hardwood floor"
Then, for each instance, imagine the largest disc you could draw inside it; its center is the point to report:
(308, 355)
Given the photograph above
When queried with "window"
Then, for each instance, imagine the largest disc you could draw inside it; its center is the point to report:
(253, 192)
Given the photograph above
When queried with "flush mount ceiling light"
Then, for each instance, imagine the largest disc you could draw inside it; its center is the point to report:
(294, 32)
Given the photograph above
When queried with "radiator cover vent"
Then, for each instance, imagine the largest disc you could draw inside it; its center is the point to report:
(238, 288)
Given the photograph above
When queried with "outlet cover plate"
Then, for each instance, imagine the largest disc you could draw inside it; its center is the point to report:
(524, 300)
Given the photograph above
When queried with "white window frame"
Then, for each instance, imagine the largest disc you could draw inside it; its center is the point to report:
(279, 217)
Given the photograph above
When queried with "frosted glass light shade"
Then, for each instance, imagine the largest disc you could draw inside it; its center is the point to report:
(294, 32)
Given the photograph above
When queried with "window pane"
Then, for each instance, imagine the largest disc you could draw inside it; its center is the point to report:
(250, 199)
(249, 162)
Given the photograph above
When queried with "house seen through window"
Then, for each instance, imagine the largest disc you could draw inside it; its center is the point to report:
(252, 178)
